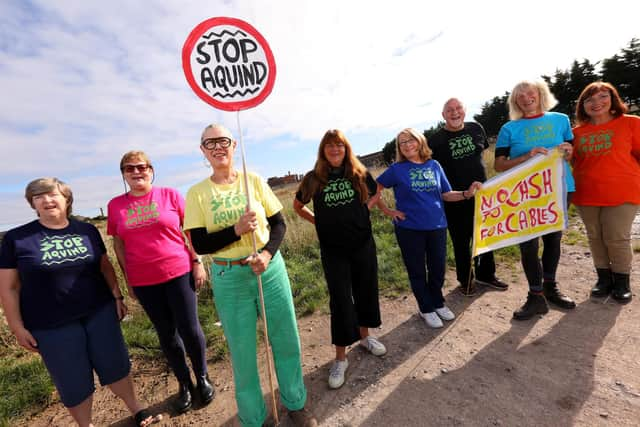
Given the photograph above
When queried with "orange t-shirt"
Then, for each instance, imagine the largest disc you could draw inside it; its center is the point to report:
(606, 162)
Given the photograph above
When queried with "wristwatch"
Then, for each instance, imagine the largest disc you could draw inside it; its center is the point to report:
(197, 260)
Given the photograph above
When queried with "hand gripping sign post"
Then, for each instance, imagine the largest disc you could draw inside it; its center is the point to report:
(230, 66)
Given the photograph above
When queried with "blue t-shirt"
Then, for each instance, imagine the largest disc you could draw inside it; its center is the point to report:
(548, 131)
(418, 189)
(59, 272)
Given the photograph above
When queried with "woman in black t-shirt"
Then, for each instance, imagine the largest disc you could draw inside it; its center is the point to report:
(342, 191)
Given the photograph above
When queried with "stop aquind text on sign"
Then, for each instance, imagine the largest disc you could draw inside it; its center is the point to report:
(227, 65)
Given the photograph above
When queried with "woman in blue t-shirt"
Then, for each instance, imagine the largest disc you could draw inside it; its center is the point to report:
(61, 299)
(534, 130)
(420, 186)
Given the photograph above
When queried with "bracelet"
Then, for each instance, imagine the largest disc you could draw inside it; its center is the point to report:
(121, 297)
(463, 195)
(197, 260)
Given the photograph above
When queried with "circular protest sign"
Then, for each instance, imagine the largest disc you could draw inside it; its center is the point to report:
(228, 64)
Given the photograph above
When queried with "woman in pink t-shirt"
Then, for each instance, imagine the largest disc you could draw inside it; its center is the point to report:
(161, 270)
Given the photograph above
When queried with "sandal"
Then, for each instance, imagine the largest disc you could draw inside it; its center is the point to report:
(144, 418)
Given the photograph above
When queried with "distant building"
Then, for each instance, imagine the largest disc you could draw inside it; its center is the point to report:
(289, 178)
(372, 160)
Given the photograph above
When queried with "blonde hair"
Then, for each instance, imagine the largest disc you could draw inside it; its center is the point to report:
(547, 100)
(134, 154)
(47, 185)
(423, 150)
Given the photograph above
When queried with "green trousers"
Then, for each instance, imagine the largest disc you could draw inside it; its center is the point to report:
(237, 299)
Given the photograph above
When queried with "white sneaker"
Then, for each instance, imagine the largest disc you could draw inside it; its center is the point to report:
(336, 374)
(432, 320)
(445, 313)
(374, 346)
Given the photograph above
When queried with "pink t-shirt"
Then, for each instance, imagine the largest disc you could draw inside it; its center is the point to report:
(150, 227)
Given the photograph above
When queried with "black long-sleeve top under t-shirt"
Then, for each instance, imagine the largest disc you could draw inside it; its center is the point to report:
(207, 243)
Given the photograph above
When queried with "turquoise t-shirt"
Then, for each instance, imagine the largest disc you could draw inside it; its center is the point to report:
(418, 189)
(548, 131)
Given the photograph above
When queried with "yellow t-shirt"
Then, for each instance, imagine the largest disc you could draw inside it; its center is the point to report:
(218, 206)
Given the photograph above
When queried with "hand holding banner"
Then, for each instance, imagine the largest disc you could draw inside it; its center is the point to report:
(526, 202)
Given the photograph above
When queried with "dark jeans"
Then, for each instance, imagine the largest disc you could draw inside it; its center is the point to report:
(460, 221)
(538, 270)
(173, 310)
(416, 246)
(352, 279)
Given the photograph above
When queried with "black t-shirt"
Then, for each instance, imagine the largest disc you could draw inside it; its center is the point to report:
(460, 154)
(59, 272)
(342, 220)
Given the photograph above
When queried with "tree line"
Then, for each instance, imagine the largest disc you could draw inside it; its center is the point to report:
(622, 70)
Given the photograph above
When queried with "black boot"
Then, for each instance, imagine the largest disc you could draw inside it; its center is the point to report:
(183, 402)
(554, 296)
(205, 389)
(621, 288)
(535, 304)
(604, 284)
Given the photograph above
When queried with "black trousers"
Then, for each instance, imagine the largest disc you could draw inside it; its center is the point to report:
(173, 310)
(542, 269)
(460, 224)
(536, 269)
(352, 279)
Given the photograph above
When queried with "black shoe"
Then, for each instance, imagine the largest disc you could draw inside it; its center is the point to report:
(495, 283)
(554, 296)
(205, 389)
(621, 287)
(535, 304)
(604, 285)
(183, 402)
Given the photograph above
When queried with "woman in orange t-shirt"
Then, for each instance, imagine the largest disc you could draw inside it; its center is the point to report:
(606, 167)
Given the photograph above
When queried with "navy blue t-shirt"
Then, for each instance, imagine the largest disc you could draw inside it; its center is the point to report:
(59, 272)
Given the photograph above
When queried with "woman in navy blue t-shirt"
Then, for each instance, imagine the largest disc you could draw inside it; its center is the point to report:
(61, 299)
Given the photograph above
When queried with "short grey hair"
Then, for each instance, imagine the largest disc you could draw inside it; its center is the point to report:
(46, 185)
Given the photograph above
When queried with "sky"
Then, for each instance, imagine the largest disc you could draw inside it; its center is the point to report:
(84, 81)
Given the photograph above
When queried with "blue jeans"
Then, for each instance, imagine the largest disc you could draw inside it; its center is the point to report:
(416, 247)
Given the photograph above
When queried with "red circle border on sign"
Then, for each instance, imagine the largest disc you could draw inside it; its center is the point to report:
(187, 49)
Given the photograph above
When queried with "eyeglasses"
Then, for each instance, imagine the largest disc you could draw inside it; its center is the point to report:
(407, 141)
(132, 168)
(212, 143)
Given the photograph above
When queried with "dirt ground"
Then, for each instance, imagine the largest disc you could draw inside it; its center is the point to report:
(578, 367)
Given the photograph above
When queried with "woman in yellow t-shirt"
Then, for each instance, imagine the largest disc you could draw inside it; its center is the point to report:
(219, 224)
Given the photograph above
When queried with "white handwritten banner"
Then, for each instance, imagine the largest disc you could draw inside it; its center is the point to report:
(228, 64)
(527, 201)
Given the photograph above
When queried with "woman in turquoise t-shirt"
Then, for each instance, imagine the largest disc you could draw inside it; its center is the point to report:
(534, 130)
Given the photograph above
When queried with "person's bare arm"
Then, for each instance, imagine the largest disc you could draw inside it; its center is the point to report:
(10, 299)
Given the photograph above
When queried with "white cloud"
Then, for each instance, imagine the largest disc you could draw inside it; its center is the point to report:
(83, 82)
